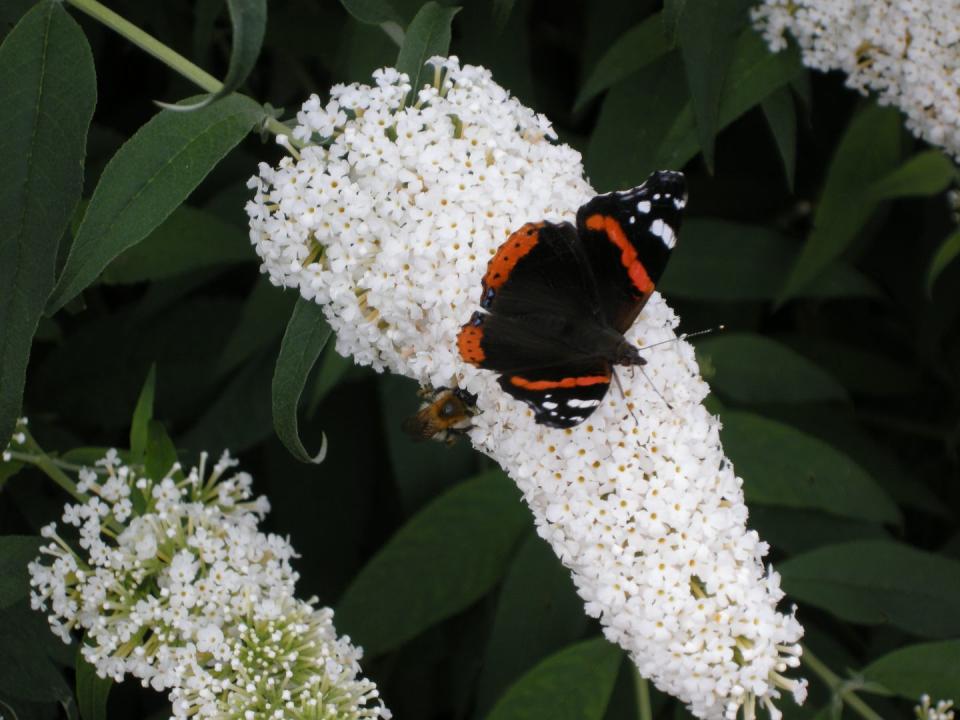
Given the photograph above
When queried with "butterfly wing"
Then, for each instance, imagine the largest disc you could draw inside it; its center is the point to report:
(628, 237)
(561, 396)
(543, 308)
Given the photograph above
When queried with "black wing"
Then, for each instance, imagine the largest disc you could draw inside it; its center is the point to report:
(543, 308)
(628, 237)
(561, 396)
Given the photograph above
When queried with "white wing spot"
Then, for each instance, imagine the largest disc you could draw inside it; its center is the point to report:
(664, 232)
(632, 219)
(679, 203)
(549, 405)
(577, 403)
(643, 207)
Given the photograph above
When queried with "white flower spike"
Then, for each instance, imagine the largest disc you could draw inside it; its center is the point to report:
(177, 587)
(389, 218)
(907, 51)
(927, 710)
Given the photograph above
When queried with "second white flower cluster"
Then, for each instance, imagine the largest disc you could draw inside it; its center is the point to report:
(176, 586)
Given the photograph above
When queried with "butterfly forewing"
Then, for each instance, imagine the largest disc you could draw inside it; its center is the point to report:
(542, 306)
(628, 237)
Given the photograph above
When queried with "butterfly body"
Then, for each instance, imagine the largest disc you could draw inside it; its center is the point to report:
(557, 299)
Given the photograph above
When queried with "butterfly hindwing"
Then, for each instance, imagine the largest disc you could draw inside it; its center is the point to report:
(628, 237)
(561, 396)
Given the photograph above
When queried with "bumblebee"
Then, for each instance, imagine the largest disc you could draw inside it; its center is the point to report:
(444, 414)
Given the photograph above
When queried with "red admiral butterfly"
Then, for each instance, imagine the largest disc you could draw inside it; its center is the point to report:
(558, 298)
(444, 414)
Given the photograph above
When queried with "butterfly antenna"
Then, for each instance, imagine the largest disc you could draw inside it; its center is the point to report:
(685, 336)
(616, 379)
(655, 389)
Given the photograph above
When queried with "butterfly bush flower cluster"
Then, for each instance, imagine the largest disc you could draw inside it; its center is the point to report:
(907, 51)
(926, 710)
(388, 215)
(175, 585)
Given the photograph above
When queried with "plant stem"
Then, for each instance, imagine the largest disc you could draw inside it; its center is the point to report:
(833, 681)
(643, 696)
(35, 456)
(167, 55)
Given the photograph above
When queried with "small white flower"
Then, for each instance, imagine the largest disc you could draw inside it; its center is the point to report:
(388, 218)
(906, 51)
(943, 710)
(222, 612)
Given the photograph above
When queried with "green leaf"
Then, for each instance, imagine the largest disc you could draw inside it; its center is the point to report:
(781, 113)
(261, 323)
(707, 37)
(333, 366)
(372, 12)
(161, 453)
(48, 84)
(92, 690)
(732, 262)
(875, 582)
(861, 371)
(16, 551)
(673, 12)
(444, 559)
(753, 369)
(142, 415)
(623, 151)
(249, 21)
(636, 48)
(146, 180)
(869, 150)
(306, 335)
(205, 13)
(427, 35)
(926, 173)
(783, 466)
(188, 240)
(754, 73)
(910, 672)
(573, 684)
(538, 613)
(945, 254)
(795, 530)
(240, 416)
(27, 671)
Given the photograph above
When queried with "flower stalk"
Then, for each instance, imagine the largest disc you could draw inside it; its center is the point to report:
(165, 54)
(837, 686)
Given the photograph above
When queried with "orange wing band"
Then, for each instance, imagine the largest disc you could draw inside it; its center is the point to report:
(468, 343)
(568, 382)
(510, 253)
(628, 254)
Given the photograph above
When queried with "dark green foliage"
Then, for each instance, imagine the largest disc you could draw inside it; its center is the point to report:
(307, 334)
(48, 88)
(92, 691)
(818, 232)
